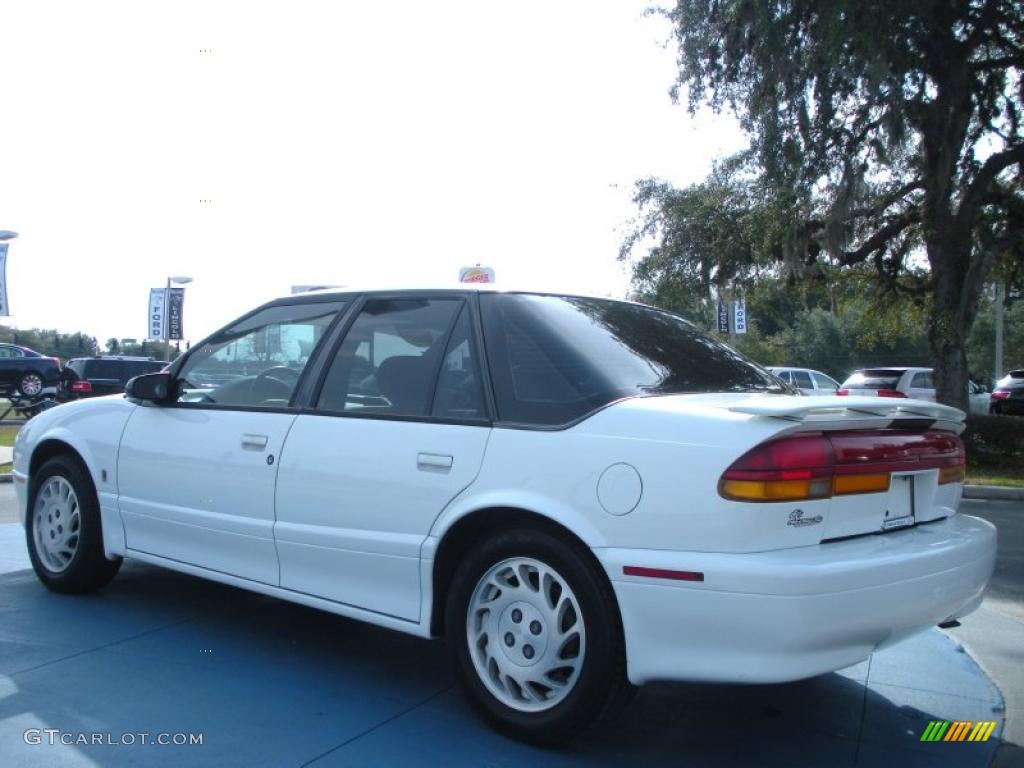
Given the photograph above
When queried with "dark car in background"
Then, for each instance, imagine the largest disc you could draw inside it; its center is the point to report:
(25, 372)
(1008, 396)
(107, 375)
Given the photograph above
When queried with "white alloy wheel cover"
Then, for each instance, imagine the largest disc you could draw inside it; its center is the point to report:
(31, 384)
(56, 524)
(526, 634)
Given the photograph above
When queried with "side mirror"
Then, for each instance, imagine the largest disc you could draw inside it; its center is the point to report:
(155, 387)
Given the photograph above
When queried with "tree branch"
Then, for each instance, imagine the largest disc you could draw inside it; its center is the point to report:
(877, 242)
(995, 165)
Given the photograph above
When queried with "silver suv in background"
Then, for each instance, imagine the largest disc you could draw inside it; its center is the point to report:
(915, 383)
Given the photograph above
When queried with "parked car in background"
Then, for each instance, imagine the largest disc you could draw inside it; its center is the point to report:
(106, 375)
(608, 496)
(807, 380)
(1008, 396)
(916, 383)
(28, 373)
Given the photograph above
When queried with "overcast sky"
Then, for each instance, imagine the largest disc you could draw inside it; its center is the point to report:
(337, 142)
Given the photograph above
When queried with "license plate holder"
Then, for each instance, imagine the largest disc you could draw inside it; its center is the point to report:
(899, 506)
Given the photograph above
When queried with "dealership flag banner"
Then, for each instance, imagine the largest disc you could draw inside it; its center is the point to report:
(4, 311)
(174, 314)
(723, 317)
(157, 301)
(740, 316)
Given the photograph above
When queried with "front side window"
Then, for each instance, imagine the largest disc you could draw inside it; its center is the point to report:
(556, 358)
(257, 361)
(390, 359)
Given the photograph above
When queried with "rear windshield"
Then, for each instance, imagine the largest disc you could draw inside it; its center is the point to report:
(1012, 380)
(873, 378)
(557, 358)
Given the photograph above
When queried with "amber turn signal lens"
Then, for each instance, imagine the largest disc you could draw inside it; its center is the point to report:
(955, 474)
(775, 490)
(860, 483)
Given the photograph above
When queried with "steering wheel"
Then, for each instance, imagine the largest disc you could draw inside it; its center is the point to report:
(273, 373)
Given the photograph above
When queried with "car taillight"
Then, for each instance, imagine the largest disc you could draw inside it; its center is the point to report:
(81, 386)
(842, 392)
(890, 393)
(999, 394)
(56, 360)
(838, 463)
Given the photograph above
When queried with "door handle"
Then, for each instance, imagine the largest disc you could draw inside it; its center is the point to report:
(254, 442)
(434, 461)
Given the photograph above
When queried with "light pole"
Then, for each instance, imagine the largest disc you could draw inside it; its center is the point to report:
(167, 309)
(5, 235)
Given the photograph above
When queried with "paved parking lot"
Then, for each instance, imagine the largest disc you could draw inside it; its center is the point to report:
(269, 683)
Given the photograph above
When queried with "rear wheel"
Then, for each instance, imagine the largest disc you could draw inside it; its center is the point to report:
(536, 637)
(30, 384)
(63, 529)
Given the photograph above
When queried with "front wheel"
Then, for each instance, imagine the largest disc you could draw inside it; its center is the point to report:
(63, 529)
(536, 637)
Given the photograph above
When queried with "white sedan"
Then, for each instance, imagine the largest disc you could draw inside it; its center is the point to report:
(580, 494)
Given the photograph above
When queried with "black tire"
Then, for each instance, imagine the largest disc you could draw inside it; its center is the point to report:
(601, 685)
(31, 384)
(87, 569)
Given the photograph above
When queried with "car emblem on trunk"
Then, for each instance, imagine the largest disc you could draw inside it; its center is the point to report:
(797, 519)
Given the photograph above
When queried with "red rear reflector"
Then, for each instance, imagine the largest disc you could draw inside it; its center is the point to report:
(890, 393)
(662, 573)
(842, 392)
(81, 386)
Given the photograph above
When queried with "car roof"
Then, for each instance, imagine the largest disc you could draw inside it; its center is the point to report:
(446, 287)
(903, 368)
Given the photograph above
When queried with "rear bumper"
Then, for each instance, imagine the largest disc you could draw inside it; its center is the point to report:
(791, 614)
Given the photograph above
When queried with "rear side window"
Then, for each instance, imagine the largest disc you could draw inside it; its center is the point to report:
(390, 358)
(923, 380)
(555, 359)
(874, 378)
(802, 379)
(104, 369)
(824, 382)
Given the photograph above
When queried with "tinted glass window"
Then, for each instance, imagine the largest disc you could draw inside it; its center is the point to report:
(1013, 380)
(556, 358)
(78, 366)
(8, 352)
(874, 378)
(104, 369)
(802, 379)
(390, 358)
(824, 382)
(458, 394)
(257, 361)
(923, 380)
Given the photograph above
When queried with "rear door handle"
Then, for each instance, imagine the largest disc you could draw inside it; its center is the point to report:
(254, 442)
(434, 461)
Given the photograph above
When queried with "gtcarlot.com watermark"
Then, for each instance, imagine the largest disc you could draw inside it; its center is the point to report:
(55, 736)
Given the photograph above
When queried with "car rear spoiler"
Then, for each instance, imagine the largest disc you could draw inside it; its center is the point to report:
(855, 412)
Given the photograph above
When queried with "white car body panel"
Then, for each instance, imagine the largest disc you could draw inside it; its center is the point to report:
(357, 497)
(194, 488)
(353, 511)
